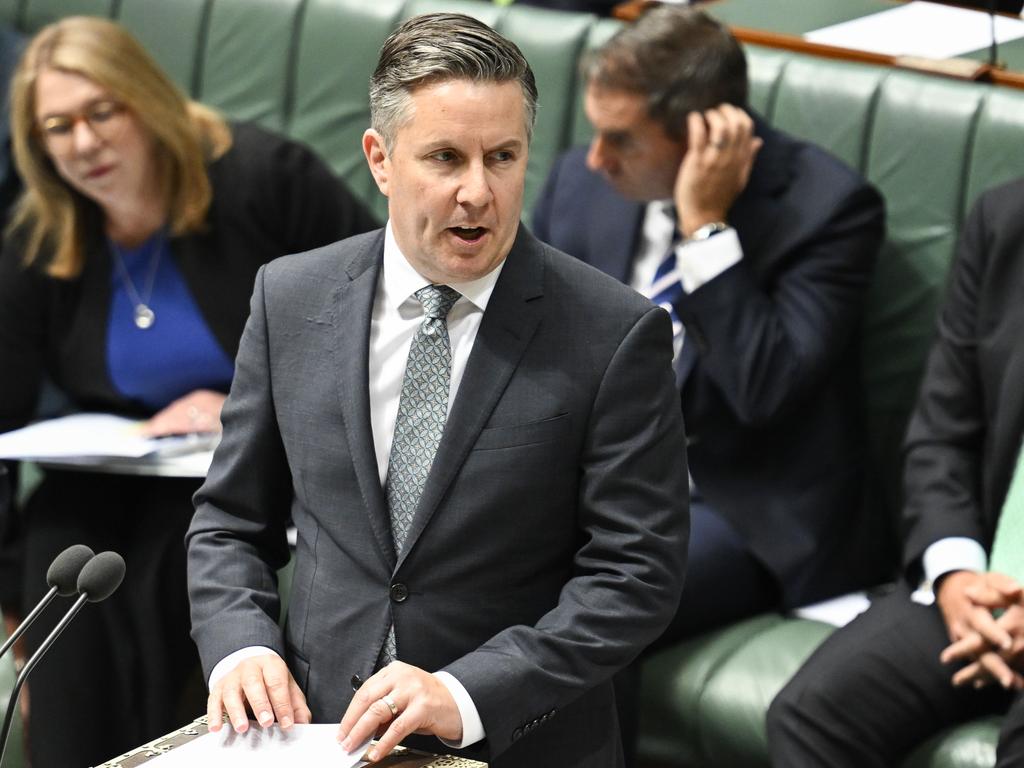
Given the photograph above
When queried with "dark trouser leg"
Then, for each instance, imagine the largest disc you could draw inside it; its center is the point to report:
(1010, 752)
(113, 680)
(724, 583)
(872, 692)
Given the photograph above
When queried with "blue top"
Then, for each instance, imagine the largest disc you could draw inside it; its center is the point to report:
(177, 353)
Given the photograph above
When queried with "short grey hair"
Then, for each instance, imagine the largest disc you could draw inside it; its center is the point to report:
(436, 47)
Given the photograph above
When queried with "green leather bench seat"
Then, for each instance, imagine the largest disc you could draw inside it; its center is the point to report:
(930, 145)
(705, 700)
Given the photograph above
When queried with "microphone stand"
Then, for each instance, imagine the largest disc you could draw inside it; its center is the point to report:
(12, 702)
(993, 50)
(47, 599)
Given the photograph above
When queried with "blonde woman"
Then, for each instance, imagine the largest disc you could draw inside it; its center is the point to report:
(125, 279)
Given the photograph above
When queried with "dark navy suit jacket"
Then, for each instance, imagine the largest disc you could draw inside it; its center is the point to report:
(964, 436)
(769, 375)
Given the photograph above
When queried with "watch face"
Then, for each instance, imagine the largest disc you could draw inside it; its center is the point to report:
(709, 230)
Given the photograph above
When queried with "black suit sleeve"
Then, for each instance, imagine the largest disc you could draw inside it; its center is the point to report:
(768, 345)
(945, 438)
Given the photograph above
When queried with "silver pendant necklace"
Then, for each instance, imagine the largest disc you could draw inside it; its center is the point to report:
(143, 313)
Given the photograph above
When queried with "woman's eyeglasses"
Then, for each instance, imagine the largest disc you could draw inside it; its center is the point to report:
(104, 119)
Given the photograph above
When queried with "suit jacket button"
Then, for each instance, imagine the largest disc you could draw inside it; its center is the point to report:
(399, 593)
(517, 734)
(357, 682)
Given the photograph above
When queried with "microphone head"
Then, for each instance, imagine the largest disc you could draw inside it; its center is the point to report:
(101, 576)
(65, 568)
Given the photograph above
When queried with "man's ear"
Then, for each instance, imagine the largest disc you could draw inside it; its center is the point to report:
(377, 158)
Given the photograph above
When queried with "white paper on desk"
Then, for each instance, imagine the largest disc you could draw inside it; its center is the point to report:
(309, 746)
(92, 434)
(839, 611)
(919, 29)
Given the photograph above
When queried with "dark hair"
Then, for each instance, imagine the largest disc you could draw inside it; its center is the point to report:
(681, 59)
(443, 46)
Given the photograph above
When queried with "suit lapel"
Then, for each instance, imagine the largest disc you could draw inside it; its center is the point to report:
(353, 308)
(615, 228)
(512, 316)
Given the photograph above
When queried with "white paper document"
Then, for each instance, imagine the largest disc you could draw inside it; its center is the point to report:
(309, 746)
(839, 611)
(921, 29)
(95, 435)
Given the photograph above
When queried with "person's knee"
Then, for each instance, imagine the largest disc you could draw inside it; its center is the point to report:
(781, 721)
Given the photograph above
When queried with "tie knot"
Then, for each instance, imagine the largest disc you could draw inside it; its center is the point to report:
(437, 300)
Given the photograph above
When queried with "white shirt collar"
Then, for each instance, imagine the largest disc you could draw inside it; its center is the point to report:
(400, 280)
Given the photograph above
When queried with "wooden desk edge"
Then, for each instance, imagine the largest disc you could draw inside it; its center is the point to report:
(958, 69)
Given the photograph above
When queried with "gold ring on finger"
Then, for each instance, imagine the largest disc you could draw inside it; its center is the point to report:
(390, 704)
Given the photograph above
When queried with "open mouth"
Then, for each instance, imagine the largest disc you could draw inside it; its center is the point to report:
(468, 234)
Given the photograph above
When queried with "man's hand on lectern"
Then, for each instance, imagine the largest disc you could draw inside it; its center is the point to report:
(261, 685)
(399, 700)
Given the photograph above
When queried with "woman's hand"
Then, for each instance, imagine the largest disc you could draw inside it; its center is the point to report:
(198, 411)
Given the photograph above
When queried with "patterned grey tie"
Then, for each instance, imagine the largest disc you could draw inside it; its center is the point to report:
(422, 412)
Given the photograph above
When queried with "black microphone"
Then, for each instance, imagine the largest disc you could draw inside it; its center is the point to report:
(62, 576)
(97, 581)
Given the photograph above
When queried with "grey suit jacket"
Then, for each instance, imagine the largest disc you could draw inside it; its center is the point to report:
(549, 545)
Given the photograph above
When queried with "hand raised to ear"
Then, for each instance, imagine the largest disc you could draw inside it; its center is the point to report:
(721, 148)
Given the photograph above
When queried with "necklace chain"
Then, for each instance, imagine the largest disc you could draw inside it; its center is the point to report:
(144, 315)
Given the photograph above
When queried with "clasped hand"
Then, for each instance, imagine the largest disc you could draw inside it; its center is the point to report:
(399, 700)
(992, 644)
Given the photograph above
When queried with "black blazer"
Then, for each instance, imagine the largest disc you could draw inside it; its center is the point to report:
(965, 434)
(771, 380)
(270, 197)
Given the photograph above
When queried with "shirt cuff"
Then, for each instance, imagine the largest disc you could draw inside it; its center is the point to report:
(232, 660)
(954, 553)
(701, 261)
(472, 725)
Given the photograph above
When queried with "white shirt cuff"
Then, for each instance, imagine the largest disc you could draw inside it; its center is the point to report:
(701, 261)
(955, 553)
(472, 725)
(232, 660)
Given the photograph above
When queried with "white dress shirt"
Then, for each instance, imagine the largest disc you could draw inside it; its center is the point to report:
(696, 262)
(397, 313)
(954, 553)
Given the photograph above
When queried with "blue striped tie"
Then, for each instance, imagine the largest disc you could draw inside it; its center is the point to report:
(666, 288)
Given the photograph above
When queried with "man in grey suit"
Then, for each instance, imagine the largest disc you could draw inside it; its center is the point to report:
(476, 436)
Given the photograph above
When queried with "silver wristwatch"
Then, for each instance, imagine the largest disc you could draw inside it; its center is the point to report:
(708, 230)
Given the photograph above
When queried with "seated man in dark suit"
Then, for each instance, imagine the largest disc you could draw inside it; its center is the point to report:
(918, 662)
(761, 247)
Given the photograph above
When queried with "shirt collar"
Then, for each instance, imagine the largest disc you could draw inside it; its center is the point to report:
(401, 281)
